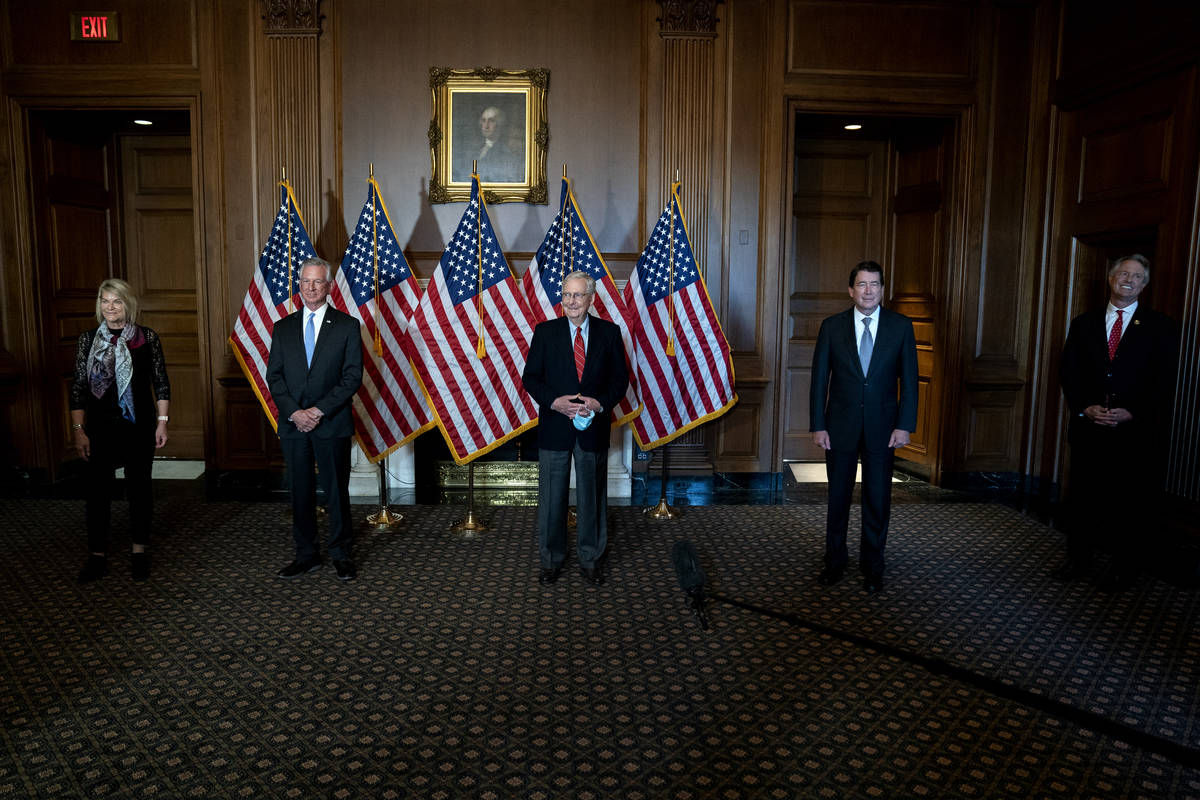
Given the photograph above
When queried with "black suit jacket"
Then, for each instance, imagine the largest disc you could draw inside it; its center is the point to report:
(550, 373)
(1141, 379)
(330, 383)
(847, 403)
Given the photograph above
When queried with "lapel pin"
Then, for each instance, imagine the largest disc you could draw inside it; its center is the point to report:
(1137, 322)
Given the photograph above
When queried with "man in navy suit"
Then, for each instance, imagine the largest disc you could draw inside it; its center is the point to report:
(314, 369)
(1118, 376)
(576, 373)
(863, 404)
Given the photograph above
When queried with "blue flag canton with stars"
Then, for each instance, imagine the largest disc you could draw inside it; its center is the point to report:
(472, 246)
(654, 265)
(556, 260)
(358, 265)
(273, 263)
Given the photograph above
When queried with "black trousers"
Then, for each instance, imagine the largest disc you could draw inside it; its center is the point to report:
(591, 505)
(331, 457)
(876, 504)
(119, 444)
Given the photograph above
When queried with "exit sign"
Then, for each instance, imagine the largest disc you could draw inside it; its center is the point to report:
(98, 26)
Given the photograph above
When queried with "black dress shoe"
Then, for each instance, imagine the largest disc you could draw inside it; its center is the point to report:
(346, 571)
(297, 568)
(831, 575)
(592, 575)
(95, 568)
(549, 575)
(1117, 580)
(873, 583)
(1069, 571)
(139, 566)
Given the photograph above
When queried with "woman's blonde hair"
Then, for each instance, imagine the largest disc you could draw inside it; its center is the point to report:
(122, 290)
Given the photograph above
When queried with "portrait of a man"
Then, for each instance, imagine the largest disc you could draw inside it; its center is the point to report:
(488, 129)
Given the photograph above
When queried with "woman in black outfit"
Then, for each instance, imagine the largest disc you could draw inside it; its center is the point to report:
(119, 402)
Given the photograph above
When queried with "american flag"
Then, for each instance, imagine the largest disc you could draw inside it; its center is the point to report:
(271, 296)
(474, 383)
(390, 407)
(684, 368)
(561, 255)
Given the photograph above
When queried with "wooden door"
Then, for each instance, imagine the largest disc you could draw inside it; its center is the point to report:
(839, 217)
(920, 245)
(77, 245)
(160, 262)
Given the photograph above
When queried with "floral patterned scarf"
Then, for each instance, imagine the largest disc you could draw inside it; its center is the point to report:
(110, 361)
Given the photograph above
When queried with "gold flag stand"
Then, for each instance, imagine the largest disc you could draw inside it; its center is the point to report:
(662, 510)
(384, 518)
(472, 524)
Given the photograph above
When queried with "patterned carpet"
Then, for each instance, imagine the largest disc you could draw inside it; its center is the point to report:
(446, 671)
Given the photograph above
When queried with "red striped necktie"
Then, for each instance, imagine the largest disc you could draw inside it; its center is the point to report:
(579, 352)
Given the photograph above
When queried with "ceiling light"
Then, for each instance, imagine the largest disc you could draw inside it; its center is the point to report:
(142, 122)
(853, 127)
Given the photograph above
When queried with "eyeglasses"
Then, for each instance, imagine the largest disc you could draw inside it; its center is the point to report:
(313, 282)
(575, 295)
(867, 284)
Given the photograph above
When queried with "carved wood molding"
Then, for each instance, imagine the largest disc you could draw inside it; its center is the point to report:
(292, 17)
(688, 18)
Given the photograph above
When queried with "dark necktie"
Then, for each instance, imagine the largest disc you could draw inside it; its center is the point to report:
(1114, 336)
(866, 345)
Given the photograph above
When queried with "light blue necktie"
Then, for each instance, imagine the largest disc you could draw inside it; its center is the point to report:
(310, 337)
(866, 345)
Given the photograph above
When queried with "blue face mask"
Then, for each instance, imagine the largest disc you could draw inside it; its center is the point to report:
(581, 422)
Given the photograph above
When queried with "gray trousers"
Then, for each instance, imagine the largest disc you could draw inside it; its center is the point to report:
(591, 505)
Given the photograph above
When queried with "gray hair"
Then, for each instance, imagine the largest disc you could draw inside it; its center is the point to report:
(581, 275)
(317, 262)
(1138, 257)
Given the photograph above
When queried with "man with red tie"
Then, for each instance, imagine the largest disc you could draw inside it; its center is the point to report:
(576, 373)
(1118, 377)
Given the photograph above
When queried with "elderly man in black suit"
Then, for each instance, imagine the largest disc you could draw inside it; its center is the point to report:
(862, 404)
(1118, 376)
(576, 372)
(314, 369)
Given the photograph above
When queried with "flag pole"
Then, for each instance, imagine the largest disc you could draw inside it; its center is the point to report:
(375, 255)
(662, 510)
(472, 524)
(384, 518)
(288, 205)
(480, 349)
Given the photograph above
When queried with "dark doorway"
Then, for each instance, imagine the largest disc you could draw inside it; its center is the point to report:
(879, 192)
(114, 197)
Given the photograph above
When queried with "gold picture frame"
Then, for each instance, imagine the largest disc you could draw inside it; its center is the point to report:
(497, 118)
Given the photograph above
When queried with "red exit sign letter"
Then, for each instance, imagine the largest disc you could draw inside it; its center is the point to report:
(96, 26)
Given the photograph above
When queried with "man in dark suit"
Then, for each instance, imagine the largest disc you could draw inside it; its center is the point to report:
(314, 369)
(1118, 376)
(855, 412)
(576, 373)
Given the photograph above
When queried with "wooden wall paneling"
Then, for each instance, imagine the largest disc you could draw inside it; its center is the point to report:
(153, 35)
(996, 355)
(937, 43)
(689, 33)
(749, 314)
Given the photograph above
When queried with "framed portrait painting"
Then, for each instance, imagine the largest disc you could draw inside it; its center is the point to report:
(492, 120)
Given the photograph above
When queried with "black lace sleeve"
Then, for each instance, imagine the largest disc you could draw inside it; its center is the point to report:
(162, 384)
(79, 386)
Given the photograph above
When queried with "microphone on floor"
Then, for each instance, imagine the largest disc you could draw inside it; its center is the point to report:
(691, 578)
